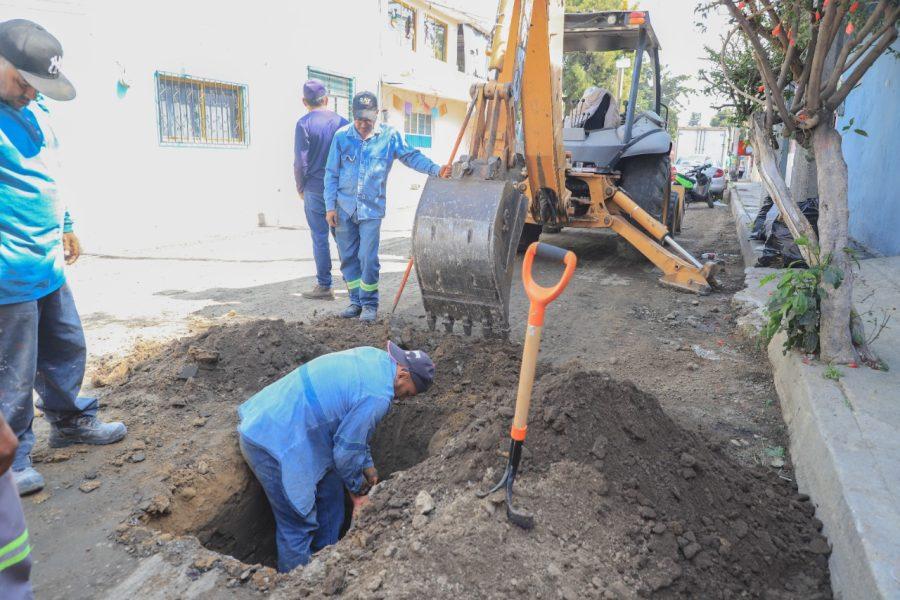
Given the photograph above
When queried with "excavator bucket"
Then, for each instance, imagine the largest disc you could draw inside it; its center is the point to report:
(464, 244)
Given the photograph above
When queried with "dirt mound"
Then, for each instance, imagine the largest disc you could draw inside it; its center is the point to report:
(626, 502)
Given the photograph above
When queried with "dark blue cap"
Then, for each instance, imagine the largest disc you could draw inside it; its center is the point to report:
(365, 106)
(314, 90)
(420, 365)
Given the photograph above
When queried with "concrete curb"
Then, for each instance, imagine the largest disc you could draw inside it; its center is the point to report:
(844, 435)
(835, 463)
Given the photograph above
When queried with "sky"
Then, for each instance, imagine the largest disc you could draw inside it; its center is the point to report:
(682, 43)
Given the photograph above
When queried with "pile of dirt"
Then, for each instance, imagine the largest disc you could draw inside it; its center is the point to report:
(626, 502)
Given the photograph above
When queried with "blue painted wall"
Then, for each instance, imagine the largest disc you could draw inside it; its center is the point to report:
(874, 161)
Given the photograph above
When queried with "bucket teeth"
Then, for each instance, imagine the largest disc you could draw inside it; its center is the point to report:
(448, 323)
(467, 326)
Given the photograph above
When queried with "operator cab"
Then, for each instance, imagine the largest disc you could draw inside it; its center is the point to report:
(594, 132)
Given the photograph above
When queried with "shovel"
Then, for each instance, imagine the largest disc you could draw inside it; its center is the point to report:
(540, 297)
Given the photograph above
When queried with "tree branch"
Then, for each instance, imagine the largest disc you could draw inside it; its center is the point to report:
(840, 66)
(825, 40)
(726, 74)
(886, 40)
(765, 68)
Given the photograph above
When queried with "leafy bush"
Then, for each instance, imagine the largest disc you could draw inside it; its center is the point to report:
(795, 305)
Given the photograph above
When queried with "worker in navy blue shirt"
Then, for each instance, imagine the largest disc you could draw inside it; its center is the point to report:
(312, 140)
(356, 175)
(306, 438)
(42, 347)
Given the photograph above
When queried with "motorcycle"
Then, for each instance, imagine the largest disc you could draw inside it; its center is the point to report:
(696, 185)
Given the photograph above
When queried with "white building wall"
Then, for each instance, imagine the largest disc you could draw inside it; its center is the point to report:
(129, 193)
(126, 191)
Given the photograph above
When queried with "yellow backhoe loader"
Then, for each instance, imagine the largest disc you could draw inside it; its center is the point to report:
(531, 166)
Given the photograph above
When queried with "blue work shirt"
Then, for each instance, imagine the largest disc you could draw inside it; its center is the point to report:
(357, 170)
(312, 140)
(320, 417)
(32, 220)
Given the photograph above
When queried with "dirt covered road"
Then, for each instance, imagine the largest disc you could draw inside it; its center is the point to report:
(653, 466)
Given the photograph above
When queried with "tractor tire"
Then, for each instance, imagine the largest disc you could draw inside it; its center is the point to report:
(530, 233)
(648, 180)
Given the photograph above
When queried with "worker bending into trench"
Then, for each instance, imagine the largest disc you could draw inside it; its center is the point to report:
(306, 438)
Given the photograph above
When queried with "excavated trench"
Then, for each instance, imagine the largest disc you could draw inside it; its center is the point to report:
(624, 498)
(243, 526)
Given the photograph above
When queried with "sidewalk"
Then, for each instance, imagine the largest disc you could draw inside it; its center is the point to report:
(845, 434)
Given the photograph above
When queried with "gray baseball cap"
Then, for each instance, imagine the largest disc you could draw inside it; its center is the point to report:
(420, 365)
(37, 55)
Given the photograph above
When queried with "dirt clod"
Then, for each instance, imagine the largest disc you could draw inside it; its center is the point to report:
(89, 486)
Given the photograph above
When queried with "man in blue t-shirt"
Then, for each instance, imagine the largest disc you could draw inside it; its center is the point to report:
(312, 139)
(41, 339)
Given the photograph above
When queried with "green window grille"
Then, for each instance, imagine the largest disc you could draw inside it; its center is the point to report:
(340, 90)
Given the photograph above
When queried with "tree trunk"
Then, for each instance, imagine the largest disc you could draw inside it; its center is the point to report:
(767, 165)
(803, 174)
(834, 329)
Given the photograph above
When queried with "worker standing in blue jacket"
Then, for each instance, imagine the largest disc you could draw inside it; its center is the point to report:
(356, 173)
(306, 438)
(42, 345)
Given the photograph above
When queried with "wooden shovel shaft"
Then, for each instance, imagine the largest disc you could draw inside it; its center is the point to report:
(409, 267)
(526, 381)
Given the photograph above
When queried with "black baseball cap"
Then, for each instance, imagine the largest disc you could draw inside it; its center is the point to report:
(365, 106)
(420, 365)
(37, 55)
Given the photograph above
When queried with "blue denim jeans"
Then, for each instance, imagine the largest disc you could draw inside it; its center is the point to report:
(297, 536)
(314, 206)
(357, 241)
(41, 349)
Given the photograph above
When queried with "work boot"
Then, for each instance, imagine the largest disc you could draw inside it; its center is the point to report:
(351, 312)
(319, 293)
(28, 481)
(85, 430)
(369, 314)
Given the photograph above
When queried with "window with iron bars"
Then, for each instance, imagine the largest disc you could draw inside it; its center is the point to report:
(340, 90)
(201, 112)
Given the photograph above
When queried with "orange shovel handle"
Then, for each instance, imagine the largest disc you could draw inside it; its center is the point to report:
(542, 296)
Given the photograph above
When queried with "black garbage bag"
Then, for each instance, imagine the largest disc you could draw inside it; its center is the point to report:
(781, 250)
(759, 225)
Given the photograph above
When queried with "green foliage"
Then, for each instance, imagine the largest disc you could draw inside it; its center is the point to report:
(574, 6)
(744, 74)
(694, 121)
(775, 451)
(723, 118)
(795, 305)
(833, 373)
(857, 131)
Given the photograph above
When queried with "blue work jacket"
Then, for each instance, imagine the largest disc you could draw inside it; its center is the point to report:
(320, 417)
(357, 170)
(32, 220)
